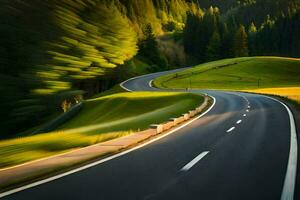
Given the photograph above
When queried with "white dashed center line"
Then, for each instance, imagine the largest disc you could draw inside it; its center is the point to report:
(194, 161)
(231, 129)
(244, 115)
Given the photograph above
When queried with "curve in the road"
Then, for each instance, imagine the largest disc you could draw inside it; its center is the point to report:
(245, 147)
(290, 178)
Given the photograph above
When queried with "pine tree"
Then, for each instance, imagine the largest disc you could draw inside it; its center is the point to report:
(251, 38)
(190, 35)
(208, 25)
(149, 48)
(240, 45)
(226, 41)
(149, 44)
(214, 47)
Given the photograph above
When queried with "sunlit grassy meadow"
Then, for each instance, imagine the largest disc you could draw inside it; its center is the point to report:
(249, 73)
(100, 119)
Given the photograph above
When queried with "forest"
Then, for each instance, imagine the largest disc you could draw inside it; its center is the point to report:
(53, 53)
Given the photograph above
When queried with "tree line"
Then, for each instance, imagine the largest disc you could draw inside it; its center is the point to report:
(207, 37)
(211, 35)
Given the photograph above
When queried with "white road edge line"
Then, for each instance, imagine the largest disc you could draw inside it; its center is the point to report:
(247, 110)
(291, 172)
(151, 83)
(231, 129)
(128, 90)
(239, 121)
(194, 161)
(105, 159)
(290, 177)
(244, 115)
(125, 88)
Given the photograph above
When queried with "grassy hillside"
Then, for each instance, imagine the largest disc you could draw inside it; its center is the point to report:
(100, 119)
(237, 74)
(130, 111)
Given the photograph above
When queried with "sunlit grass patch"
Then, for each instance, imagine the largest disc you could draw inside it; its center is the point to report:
(24, 149)
(100, 119)
(292, 93)
(131, 110)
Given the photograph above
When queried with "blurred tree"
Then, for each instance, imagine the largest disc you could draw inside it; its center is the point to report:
(48, 46)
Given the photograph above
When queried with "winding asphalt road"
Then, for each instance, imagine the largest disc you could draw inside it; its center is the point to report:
(245, 147)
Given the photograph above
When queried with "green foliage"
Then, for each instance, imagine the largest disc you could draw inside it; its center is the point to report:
(213, 51)
(172, 48)
(149, 49)
(252, 31)
(279, 37)
(52, 49)
(273, 29)
(257, 10)
(48, 46)
(158, 13)
(224, 5)
(202, 34)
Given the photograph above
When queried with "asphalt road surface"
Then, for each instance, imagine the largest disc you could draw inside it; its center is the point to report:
(243, 148)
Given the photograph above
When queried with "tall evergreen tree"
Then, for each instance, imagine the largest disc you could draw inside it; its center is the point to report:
(213, 51)
(149, 48)
(208, 25)
(226, 41)
(251, 38)
(190, 33)
(240, 45)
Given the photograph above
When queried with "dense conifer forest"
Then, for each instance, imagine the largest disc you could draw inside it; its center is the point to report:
(54, 51)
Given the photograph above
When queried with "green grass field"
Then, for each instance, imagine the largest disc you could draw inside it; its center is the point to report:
(100, 119)
(237, 74)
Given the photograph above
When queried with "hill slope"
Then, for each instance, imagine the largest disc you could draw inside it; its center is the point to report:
(130, 111)
(237, 74)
